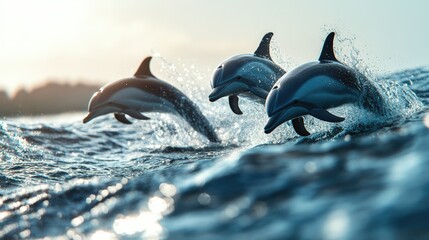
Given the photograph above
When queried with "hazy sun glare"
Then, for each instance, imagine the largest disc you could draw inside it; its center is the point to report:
(34, 26)
(97, 41)
(104, 40)
(33, 36)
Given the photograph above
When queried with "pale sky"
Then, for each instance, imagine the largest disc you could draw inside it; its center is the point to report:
(104, 40)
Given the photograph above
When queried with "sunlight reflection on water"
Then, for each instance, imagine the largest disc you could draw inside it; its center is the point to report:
(337, 224)
(146, 223)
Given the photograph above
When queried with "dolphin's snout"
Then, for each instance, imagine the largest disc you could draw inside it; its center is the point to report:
(87, 118)
(273, 123)
(217, 93)
(227, 89)
(284, 115)
(213, 96)
(268, 129)
(91, 115)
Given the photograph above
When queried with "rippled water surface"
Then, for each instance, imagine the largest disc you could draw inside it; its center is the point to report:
(364, 178)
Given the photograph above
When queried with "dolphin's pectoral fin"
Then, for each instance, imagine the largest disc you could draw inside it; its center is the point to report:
(121, 118)
(263, 50)
(135, 114)
(328, 49)
(259, 92)
(233, 104)
(298, 126)
(324, 115)
(144, 69)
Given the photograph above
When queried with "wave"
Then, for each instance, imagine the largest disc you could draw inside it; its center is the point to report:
(338, 189)
(363, 177)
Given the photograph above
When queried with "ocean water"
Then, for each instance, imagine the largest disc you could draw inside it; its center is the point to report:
(364, 178)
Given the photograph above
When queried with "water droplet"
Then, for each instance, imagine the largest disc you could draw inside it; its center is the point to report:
(310, 167)
(99, 198)
(231, 211)
(336, 224)
(426, 120)
(168, 190)
(260, 209)
(100, 234)
(77, 221)
(23, 209)
(124, 181)
(25, 234)
(4, 215)
(347, 138)
(90, 198)
(204, 199)
(72, 234)
(157, 205)
(104, 193)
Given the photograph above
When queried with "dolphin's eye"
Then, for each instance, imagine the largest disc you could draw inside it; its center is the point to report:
(275, 87)
(295, 101)
(238, 77)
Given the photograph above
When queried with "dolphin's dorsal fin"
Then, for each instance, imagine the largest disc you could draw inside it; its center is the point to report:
(144, 69)
(263, 50)
(328, 49)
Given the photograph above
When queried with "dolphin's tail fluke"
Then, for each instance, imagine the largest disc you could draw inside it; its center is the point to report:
(200, 123)
(193, 115)
(372, 99)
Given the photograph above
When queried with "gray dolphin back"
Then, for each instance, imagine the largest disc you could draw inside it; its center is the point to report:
(371, 98)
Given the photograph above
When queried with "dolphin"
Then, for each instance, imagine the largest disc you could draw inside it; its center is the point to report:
(314, 87)
(249, 75)
(146, 93)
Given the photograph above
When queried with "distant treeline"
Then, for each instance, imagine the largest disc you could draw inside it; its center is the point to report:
(51, 98)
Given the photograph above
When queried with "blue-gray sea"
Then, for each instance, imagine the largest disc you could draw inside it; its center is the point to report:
(364, 178)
